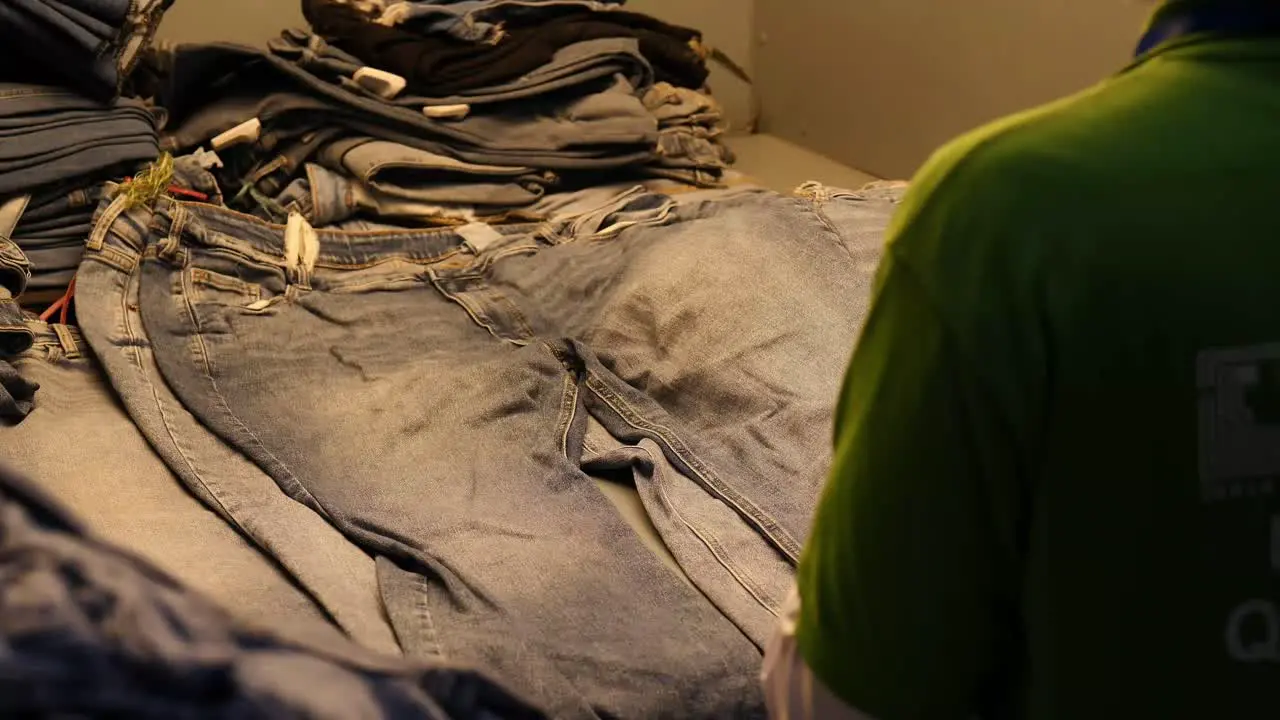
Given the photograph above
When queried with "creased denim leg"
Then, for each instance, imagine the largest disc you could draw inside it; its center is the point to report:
(16, 394)
(494, 545)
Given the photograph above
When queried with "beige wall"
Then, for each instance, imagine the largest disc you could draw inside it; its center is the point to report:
(877, 84)
(241, 21)
(726, 24)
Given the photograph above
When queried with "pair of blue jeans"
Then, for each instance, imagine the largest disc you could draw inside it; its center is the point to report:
(445, 398)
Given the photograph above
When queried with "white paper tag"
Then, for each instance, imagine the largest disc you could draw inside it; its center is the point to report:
(479, 236)
(246, 132)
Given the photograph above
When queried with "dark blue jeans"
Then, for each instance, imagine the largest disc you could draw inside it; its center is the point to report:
(90, 45)
(446, 398)
(478, 20)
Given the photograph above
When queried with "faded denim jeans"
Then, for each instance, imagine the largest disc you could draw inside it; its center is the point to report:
(445, 397)
(92, 630)
(494, 546)
(329, 568)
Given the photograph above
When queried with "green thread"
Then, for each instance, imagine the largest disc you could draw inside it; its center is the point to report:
(148, 185)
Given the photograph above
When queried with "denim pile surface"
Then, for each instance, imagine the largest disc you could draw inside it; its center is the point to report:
(429, 113)
(349, 377)
(64, 129)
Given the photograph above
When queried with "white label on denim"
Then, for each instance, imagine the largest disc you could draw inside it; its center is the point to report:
(380, 82)
(301, 244)
(246, 132)
(479, 236)
(446, 112)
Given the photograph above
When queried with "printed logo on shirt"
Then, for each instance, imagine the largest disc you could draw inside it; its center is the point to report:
(1252, 630)
(1239, 417)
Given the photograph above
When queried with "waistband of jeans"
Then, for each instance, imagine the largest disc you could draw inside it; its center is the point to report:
(170, 222)
(66, 338)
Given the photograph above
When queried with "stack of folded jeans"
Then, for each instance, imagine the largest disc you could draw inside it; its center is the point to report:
(89, 45)
(57, 148)
(455, 273)
(690, 125)
(423, 124)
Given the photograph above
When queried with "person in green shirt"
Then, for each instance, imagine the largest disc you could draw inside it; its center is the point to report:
(1057, 449)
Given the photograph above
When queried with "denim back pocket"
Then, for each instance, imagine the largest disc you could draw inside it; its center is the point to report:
(212, 293)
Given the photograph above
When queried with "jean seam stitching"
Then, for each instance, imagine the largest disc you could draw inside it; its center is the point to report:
(568, 411)
(713, 544)
(429, 620)
(769, 525)
(137, 342)
(816, 206)
(477, 314)
(207, 363)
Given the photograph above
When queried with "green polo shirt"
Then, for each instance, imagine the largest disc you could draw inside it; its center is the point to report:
(1058, 445)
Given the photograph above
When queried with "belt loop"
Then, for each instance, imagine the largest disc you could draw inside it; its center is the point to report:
(103, 226)
(171, 242)
(70, 348)
(301, 250)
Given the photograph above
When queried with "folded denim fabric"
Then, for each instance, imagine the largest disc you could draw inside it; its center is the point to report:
(287, 99)
(16, 395)
(478, 20)
(15, 270)
(435, 65)
(572, 66)
(89, 45)
(91, 630)
(15, 338)
(50, 135)
(399, 171)
(692, 148)
(677, 105)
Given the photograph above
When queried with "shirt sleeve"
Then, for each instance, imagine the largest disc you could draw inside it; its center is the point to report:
(909, 583)
(791, 690)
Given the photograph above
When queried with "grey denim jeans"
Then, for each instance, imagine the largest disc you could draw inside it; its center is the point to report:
(606, 130)
(398, 171)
